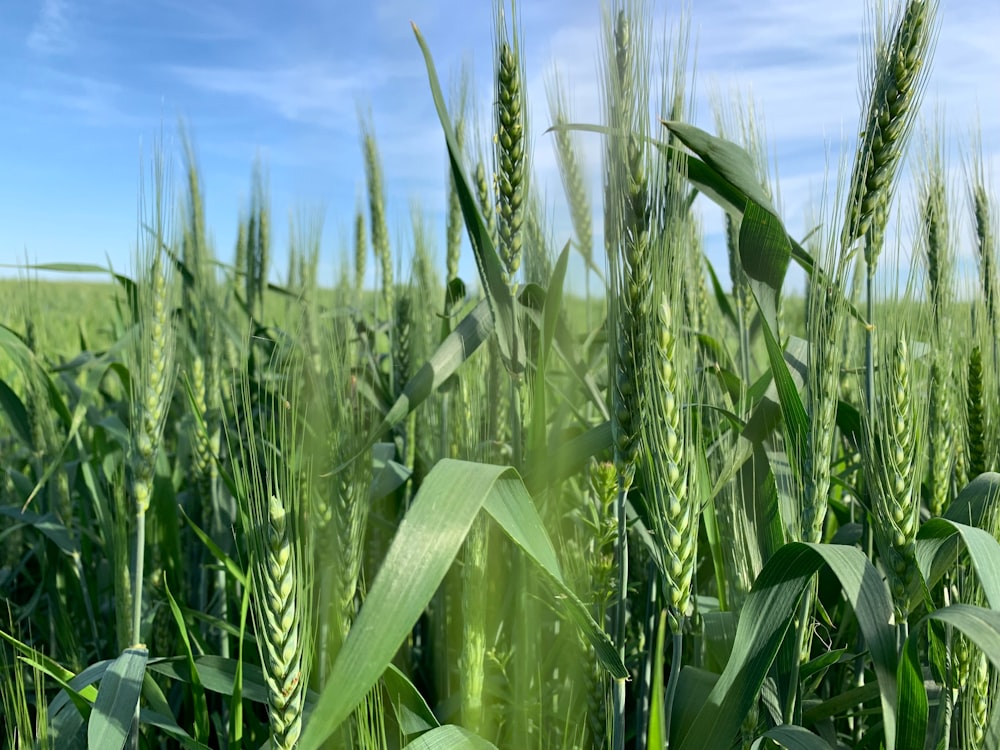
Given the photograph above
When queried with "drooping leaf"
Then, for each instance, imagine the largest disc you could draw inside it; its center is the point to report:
(792, 737)
(412, 712)
(766, 617)
(450, 737)
(984, 552)
(981, 627)
(726, 158)
(426, 543)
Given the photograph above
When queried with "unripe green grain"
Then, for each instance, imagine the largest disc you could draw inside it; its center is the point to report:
(455, 222)
(486, 204)
(376, 211)
(975, 414)
(938, 247)
(898, 71)
(267, 455)
(360, 249)
(511, 149)
(892, 453)
(571, 172)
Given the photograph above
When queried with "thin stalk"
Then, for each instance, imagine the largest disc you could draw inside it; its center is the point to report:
(645, 676)
(671, 691)
(140, 559)
(618, 633)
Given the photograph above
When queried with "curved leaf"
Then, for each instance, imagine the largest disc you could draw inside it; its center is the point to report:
(982, 627)
(767, 615)
(792, 737)
(449, 737)
(984, 551)
(412, 712)
(426, 543)
(17, 414)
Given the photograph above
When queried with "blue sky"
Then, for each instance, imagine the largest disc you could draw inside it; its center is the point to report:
(88, 85)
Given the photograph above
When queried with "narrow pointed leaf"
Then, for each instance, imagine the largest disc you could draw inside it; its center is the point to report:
(117, 699)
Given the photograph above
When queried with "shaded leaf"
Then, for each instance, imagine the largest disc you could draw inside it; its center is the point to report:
(117, 699)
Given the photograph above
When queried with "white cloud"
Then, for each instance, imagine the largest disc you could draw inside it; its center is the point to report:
(311, 93)
(51, 33)
(95, 100)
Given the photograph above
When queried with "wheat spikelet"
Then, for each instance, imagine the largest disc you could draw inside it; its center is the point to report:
(899, 68)
(376, 210)
(486, 204)
(975, 420)
(826, 318)
(267, 455)
(152, 375)
(939, 250)
(630, 261)
(984, 225)
(281, 643)
(455, 222)
(511, 146)
(360, 248)
(572, 174)
(892, 452)
(666, 436)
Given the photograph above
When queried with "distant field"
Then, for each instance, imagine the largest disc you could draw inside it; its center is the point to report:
(62, 311)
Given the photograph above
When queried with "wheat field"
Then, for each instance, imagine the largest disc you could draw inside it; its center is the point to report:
(243, 507)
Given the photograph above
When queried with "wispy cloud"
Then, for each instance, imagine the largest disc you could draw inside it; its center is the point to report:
(310, 93)
(95, 101)
(51, 33)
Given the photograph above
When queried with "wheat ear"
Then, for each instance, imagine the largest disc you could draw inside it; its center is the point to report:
(267, 461)
(511, 146)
